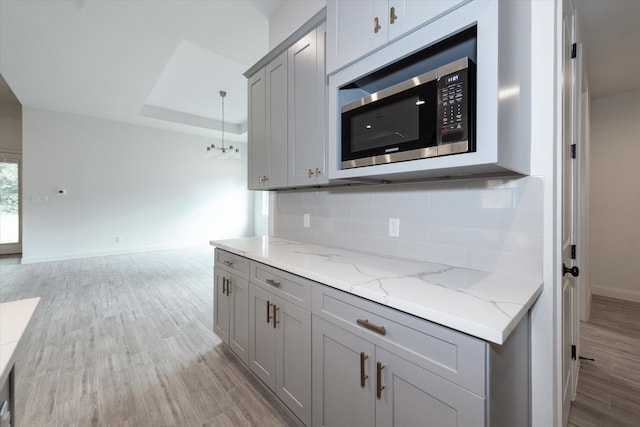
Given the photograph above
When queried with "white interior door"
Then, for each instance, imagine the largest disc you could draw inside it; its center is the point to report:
(10, 204)
(568, 269)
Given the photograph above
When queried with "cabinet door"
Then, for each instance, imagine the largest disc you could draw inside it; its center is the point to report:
(413, 396)
(350, 30)
(262, 335)
(239, 317)
(305, 111)
(409, 14)
(293, 356)
(276, 75)
(221, 306)
(257, 132)
(339, 397)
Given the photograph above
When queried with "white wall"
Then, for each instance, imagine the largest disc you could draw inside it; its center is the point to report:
(290, 17)
(152, 187)
(10, 127)
(615, 196)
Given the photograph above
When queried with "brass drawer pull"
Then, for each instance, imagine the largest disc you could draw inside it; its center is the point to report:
(273, 283)
(375, 328)
(363, 376)
(275, 309)
(268, 312)
(379, 386)
(392, 15)
(376, 25)
(228, 263)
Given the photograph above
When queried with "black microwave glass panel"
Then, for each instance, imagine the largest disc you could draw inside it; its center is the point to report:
(392, 124)
(400, 122)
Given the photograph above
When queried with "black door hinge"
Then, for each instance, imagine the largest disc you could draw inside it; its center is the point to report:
(573, 151)
(573, 251)
(574, 50)
(573, 352)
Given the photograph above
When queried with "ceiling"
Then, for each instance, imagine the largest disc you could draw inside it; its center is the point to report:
(152, 63)
(610, 31)
(163, 63)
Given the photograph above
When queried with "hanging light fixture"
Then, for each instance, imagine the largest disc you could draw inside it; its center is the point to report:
(222, 151)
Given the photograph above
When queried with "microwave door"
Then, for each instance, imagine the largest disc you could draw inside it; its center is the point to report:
(391, 129)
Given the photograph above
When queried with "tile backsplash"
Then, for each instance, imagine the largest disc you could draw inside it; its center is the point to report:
(485, 224)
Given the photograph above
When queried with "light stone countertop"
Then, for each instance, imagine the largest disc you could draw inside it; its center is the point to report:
(478, 303)
(14, 318)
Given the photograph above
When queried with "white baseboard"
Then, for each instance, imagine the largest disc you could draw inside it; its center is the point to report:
(625, 294)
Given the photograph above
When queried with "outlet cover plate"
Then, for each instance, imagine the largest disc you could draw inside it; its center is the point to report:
(394, 227)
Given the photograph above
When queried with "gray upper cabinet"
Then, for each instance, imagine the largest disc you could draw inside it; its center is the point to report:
(287, 112)
(307, 116)
(257, 132)
(268, 126)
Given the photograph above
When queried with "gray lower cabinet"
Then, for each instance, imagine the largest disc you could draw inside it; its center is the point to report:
(280, 340)
(343, 384)
(376, 366)
(361, 384)
(231, 302)
(335, 359)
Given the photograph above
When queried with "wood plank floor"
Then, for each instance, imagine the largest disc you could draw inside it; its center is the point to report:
(127, 340)
(609, 388)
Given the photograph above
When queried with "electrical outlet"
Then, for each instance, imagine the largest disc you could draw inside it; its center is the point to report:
(394, 227)
(118, 239)
(307, 220)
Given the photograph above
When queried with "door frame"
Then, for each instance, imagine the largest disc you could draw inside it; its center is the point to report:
(14, 248)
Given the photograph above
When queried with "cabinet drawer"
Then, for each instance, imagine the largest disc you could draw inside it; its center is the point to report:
(452, 355)
(293, 288)
(232, 262)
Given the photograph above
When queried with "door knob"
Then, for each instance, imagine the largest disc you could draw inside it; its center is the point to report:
(574, 271)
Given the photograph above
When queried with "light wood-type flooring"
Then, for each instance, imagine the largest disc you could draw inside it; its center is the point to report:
(608, 393)
(127, 340)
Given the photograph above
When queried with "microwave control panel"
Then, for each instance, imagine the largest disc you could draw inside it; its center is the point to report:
(454, 107)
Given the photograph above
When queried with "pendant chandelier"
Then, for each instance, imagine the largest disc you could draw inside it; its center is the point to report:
(224, 152)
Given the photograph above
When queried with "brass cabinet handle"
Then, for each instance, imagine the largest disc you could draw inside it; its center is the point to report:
(310, 173)
(375, 328)
(392, 15)
(363, 376)
(228, 263)
(275, 309)
(379, 386)
(273, 283)
(318, 171)
(376, 25)
(268, 315)
(224, 285)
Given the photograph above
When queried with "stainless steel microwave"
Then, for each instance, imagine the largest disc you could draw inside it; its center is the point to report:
(429, 115)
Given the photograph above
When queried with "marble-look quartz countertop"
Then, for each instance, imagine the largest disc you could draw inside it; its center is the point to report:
(14, 318)
(478, 303)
